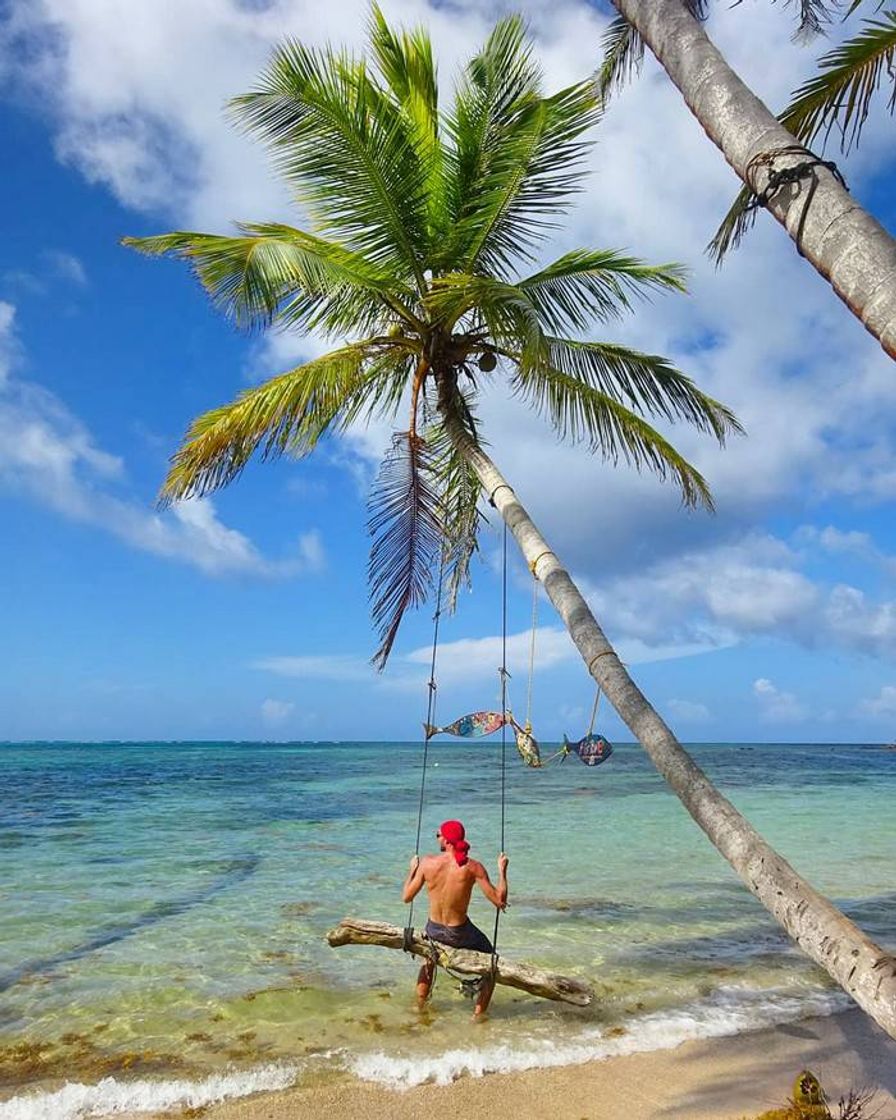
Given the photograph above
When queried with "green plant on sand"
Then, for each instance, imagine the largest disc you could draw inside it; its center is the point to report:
(808, 1101)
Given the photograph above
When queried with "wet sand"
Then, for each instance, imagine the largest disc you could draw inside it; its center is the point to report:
(718, 1079)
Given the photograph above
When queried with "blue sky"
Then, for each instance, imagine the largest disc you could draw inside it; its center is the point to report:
(246, 617)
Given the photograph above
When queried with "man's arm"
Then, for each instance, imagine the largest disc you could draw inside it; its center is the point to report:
(497, 896)
(414, 881)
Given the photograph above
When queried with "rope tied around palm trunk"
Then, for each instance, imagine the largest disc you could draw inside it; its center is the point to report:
(786, 176)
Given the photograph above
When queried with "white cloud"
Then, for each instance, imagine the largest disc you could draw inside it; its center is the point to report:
(323, 667)
(883, 705)
(67, 266)
(462, 661)
(47, 454)
(858, 624)
(720, 595)
(777, 706)
(54, 265)
(472, 658)
(276, 712)
(688, 711)
(312, 556)
(838, 542)
(8, 346)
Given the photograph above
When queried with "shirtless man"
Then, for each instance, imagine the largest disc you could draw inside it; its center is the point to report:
(449, 879)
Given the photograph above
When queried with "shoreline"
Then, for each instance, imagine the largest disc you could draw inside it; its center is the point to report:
(729, 1078)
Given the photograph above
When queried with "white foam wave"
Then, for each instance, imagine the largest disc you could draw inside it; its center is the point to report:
(111, 1097)
(729, 1011)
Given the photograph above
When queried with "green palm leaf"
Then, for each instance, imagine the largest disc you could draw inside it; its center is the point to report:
(405, 525)
(589, 284)
(500, 78)
(277, 274)
(645, 382)
(348, 151)
(622, 50)
(518, 153)
(505, 310)
(582, 414)
(406, 62)
(840, 94)
(288, 413)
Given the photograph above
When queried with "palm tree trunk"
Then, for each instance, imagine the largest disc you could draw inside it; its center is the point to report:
(862, 968)
(844, 243)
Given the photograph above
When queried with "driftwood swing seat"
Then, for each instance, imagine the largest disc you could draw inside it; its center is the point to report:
(526, 977)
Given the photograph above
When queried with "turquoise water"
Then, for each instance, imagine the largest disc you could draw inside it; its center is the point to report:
(164, 908)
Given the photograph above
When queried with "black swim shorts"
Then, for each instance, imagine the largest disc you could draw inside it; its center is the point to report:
(466, 936)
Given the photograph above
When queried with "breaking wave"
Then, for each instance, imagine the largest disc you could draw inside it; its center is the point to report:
(728, 1011)
(111, 1096)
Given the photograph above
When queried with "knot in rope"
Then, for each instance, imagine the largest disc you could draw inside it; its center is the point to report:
(785, 176)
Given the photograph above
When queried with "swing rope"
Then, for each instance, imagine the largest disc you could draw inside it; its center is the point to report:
(528, 727)
(503, 673)
(430, 720)
(594, 711)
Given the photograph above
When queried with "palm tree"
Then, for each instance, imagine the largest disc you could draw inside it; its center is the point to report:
(424, 220)
(840, 239)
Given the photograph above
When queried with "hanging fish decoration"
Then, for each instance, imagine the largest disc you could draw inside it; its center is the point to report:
(468, 727)
(526, 743)
(592, 750)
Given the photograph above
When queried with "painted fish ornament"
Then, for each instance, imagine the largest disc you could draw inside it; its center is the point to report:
(472, 726)
(592, 750)
(526, 744)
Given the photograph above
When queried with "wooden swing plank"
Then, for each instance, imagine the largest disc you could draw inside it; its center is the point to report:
(526, 977)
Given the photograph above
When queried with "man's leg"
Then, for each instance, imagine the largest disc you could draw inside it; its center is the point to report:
(485, 995)
(425, 978)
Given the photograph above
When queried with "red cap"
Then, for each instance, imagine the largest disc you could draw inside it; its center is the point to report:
(453, 833)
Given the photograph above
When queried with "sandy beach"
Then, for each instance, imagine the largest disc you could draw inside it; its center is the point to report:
(720, 1079)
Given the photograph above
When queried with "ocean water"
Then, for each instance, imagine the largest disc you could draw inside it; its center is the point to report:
(163, 909)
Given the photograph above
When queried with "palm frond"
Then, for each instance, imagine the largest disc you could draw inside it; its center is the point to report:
(582, 414)
(858, 3)
(646, 383)
(623, 53)
(589, 284)
(277, 274)
(288, 413)
(735, 225)
(517, 155)
(405, 525)
(496, 81)
(812, 15)
(348, 151)
(839, 95)
(459, 488)
(406, 62)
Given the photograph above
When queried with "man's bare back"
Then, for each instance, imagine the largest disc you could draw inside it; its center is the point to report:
(450, 887)
(449, 879)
